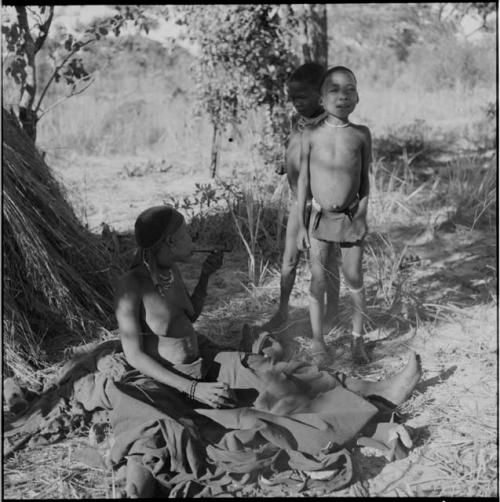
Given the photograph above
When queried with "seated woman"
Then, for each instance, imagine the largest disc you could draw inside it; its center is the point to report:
(155, 314)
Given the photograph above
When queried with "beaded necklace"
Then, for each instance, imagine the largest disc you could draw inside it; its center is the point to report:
(337, 126)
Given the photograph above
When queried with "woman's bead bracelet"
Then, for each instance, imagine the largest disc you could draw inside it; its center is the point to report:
(192, 389)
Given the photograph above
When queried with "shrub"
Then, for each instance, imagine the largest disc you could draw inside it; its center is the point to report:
(450, 62)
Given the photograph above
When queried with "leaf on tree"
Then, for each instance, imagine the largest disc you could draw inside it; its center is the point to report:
(68, 42)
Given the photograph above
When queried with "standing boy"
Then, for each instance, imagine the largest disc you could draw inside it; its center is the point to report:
(303, 90)
(335, 158)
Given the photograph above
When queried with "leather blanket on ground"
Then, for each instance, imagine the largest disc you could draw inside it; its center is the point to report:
(289, 416)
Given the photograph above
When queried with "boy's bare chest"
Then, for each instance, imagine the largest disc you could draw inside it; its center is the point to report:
(336, 142)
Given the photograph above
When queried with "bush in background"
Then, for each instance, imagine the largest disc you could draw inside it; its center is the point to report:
(450, 62)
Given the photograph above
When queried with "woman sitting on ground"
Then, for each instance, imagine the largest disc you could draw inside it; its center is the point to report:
(155, 316)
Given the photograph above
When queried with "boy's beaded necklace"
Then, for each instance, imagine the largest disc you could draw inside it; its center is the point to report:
(303, 122)
(336, 126)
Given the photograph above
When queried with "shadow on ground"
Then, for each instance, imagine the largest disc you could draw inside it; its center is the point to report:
(437, 380)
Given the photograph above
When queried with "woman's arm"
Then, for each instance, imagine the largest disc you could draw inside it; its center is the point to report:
(214, 394)
(127, 315)
(212, 263)
(198, 296)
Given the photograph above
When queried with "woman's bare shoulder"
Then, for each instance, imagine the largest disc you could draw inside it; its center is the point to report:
(130, 284)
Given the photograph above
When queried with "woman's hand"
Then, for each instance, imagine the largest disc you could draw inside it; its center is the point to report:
(215, 394)
(212, 263)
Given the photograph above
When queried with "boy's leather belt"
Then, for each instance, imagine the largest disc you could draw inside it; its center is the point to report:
(350, 210)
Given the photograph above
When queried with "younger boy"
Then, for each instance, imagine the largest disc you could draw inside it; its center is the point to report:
(335, 158)
(303, 90)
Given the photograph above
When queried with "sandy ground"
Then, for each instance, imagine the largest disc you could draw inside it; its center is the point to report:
(451, 321)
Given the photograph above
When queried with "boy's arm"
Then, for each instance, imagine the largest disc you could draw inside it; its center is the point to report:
(366, 160)
(286, 125)
(303, 189)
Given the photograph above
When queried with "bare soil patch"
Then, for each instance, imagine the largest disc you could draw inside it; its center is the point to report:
(449, 284)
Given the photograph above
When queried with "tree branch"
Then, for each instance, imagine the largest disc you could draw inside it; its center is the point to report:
(44, 29)
(73, 93)
(56, 70)
(475, 30)
(23, 23)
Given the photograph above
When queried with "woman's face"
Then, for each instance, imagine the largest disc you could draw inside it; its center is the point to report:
(176, 247)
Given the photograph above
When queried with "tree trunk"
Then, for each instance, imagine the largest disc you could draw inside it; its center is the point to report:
(315, 34)
(214, 159)
(27, 116)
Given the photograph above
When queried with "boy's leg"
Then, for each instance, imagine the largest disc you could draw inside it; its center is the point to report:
(332, 288)
(352, 268)
(288, 268)
(319, 251)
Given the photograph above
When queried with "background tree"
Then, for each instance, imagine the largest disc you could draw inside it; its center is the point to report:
(246, 54)
(244, 61)
(314, 23)
(26, 34)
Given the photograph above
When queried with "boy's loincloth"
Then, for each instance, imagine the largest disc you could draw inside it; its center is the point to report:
(338, 226)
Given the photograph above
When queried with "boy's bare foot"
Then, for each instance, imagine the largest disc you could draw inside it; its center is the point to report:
(358, 351)
(320, 353)
(398, 387)
(277, 320)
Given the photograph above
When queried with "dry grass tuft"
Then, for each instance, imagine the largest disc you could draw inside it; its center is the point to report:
(453, 414)
(55, 472)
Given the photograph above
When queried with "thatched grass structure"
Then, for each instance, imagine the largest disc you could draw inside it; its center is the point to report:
(56, 281)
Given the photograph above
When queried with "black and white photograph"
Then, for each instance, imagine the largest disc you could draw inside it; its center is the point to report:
(250, 250)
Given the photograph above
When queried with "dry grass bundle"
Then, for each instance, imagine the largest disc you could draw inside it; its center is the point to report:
(55, 272)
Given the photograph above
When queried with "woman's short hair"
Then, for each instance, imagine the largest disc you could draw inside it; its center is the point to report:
(155, 223)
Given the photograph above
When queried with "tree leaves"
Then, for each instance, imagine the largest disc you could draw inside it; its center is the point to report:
(245, 59)
(17, 70)
(75, 71)
(63, 47)
(68, 43)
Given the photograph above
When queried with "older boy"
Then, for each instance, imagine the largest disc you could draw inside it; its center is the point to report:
(335, 158)
(303, 90)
